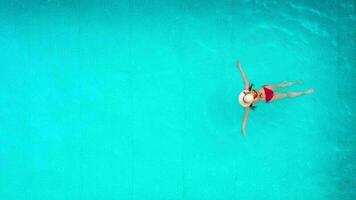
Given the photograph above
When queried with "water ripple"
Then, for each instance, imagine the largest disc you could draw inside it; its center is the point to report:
(303, 9)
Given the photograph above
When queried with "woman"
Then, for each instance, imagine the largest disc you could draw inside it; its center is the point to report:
(249, 96)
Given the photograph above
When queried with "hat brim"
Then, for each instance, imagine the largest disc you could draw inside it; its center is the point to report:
(241, 101)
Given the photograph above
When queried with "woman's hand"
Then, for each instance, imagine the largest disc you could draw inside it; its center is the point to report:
(243, 131)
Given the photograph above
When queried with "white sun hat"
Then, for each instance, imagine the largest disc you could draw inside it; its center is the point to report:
(245, 98)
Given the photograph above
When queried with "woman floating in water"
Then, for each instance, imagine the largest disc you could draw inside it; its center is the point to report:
(249, 96)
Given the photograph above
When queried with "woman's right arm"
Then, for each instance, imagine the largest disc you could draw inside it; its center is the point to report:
(247, 112)
(246, 83)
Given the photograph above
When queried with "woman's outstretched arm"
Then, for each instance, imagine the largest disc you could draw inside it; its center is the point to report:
(247, 112)
(247, 85)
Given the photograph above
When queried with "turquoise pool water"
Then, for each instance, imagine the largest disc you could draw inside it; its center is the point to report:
(137, 100)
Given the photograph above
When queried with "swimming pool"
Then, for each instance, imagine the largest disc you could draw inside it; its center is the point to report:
(137, 100)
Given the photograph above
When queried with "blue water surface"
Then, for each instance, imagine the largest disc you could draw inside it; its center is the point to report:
(136, 99)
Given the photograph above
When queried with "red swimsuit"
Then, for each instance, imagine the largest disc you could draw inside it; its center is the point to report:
(268, 94)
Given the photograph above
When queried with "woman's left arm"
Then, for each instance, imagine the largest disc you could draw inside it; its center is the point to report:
(246, 83)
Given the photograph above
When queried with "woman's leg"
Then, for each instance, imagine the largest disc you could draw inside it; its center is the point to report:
(284, 84)
(295, 94)
(278, 96)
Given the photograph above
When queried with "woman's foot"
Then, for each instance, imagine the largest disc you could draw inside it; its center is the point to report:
(309, 91)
